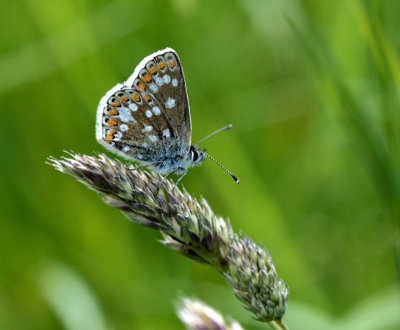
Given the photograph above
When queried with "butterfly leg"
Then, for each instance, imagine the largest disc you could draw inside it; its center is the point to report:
(170, 173)
(165, 177)
(139, 167)
(133, 169)
(181, 177)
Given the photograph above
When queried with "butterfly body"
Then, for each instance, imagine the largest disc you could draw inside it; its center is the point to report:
(173, 158)
(147, 118)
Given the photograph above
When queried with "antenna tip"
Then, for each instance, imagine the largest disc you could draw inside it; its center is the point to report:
(236, 179)
(229, 126)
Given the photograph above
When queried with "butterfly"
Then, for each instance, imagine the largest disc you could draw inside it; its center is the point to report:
(147, 118)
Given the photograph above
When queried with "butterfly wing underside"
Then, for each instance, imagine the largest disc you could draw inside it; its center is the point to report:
(147, 117)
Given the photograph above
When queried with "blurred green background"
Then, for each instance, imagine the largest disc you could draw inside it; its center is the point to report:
(312, 89)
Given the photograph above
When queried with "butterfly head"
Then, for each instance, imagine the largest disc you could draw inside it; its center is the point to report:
(196, 156)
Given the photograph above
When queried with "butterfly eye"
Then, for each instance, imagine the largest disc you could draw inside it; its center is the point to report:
(195, 155)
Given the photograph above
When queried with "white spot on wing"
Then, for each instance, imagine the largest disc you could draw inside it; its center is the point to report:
(147, 129)
(174, 82)
(156, 111)
(124, 127)
(152, 138)
(153, 87)
(149, 114)
(126, 149)
(166, 133)
(133, 106)
(145, 145)
(139, 156)
(125, 115)
(170, 103)
(167, 79)
(159, 81)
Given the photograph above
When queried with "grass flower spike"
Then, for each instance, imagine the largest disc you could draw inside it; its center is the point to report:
(188, 226)
(196, 315)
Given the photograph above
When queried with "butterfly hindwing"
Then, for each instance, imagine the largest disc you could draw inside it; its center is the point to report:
(148, 116)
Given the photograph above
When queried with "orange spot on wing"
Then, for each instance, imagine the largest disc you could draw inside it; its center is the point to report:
(110, 136)
(124, 98)
(162, 65)
(147, 97)
(116, 103)
(146, 78)
(136, 97)
(153, 70)
(140, 85)
(112, 122)
(113, 112)
(171, 63)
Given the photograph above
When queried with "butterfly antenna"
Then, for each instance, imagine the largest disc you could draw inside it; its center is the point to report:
(234, 177)
(209, 135)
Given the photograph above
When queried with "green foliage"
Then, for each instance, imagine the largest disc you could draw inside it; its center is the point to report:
(312, 89)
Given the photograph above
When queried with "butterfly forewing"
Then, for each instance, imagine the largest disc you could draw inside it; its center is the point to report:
(148, 116)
